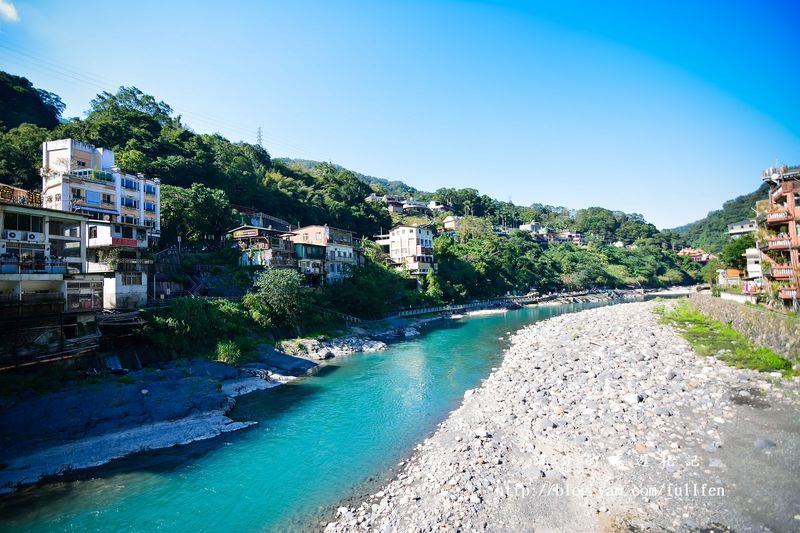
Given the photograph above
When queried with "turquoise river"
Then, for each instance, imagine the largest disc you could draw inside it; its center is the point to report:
(322, 440)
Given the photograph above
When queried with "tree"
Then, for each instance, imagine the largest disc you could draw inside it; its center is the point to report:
(20, 155)
(732, 254)
(22, 103)
(194, 213)
(433, 289)
(279, 299)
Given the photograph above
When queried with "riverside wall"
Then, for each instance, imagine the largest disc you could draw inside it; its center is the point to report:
(772, 329)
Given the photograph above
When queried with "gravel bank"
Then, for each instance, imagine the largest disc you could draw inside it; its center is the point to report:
(603, 420)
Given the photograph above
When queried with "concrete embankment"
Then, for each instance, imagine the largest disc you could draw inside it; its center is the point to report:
(603, 420)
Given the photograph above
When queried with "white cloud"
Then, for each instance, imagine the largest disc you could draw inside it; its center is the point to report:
(8, 12)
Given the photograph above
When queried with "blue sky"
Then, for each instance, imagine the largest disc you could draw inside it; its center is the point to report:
(666, 109)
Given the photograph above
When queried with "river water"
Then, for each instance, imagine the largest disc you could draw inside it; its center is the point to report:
(320, 440)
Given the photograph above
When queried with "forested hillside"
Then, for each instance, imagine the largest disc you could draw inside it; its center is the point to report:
(203, 174)
(711, 233)
(382, 185)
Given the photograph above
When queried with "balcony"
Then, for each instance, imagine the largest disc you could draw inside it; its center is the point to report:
(779, 216)
(95, 176)
(103, 241)
(120, 265)
(781, 271)
(12, 265)
(787, 293)
(776, 243)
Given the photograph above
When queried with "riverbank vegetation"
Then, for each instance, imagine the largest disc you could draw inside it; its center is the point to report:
(712, 338)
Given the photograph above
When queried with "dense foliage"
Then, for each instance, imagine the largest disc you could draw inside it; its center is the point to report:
(195, 325)
(278, 299)
(23, 103)
(733, 252)
(478, 263)
(711, 232)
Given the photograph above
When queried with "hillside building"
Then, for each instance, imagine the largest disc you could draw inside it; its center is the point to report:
(264, 247)
(123, 212)
(741, 228)
(779, 238)
(410, 248)
(341, 249)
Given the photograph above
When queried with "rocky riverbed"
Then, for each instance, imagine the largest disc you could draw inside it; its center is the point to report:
(603, 420)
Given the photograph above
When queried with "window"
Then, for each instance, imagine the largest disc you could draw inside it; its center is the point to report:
(305, 237)
(130, 202)
(106, 198)
(149, 189)
(76, 194)
(149, 206)
(131, 278)
(92, 232)
(23, 222)
(80, 163)
(130, 184)
(93, 197)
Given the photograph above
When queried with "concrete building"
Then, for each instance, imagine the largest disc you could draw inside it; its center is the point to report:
(43, 263)
(743, 227)
(264, 247)
(249, 216)
(779, 240)
(79, 177)
(341, 249)
(410, 248)
(532, 227)
(124, 212)
(311, 262)
(394, 204)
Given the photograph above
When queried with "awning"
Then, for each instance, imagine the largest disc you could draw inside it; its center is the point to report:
(95, 210)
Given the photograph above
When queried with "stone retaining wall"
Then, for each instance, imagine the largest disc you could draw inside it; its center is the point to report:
(767, 328)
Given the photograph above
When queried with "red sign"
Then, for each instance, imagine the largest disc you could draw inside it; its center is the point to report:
(119, 241)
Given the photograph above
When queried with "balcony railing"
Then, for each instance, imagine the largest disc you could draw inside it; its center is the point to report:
(778, 216)
(776, 243)
(781, 271)
(120, 265)
(787, 293)
(48, 266)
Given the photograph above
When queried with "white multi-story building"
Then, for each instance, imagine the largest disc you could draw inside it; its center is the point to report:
(124, 212)
(79, 177)
(411, 248)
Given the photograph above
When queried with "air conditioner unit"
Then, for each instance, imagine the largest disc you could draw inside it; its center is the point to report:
(106, 217)
(34, 237)
(12, 235)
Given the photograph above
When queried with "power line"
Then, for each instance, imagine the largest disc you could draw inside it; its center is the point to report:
(72, 75)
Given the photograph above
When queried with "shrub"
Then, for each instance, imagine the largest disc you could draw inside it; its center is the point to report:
(229, 352)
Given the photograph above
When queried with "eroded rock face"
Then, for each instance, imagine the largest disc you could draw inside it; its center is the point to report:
(587, 414)
(81, 427)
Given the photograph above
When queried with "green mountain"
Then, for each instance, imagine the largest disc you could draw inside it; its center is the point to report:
(382, 185)
(711, 233)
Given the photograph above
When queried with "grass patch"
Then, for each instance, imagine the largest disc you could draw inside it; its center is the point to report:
(711, 338)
